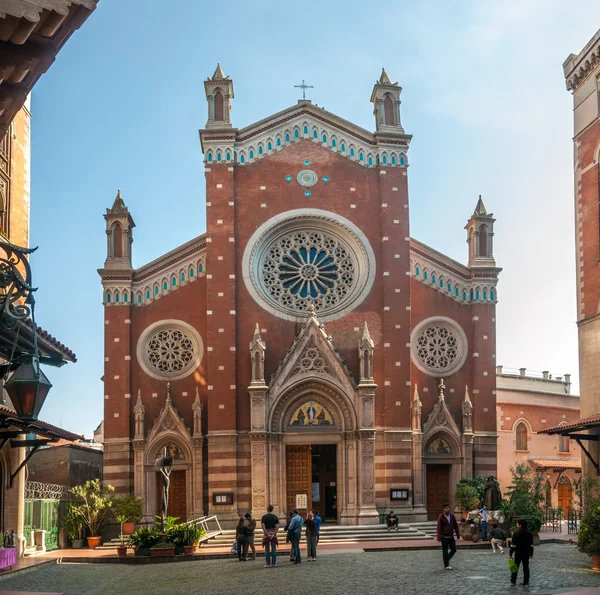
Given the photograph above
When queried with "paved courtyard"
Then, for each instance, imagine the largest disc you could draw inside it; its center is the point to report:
(555, 568)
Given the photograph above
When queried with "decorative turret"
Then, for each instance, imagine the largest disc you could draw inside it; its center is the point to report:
(386, 100)
(480, 234)
(119, 235)
(257, 355)
(365, 355)
(197, 413)
(219, 93)
(467, 412)
(139, 412)
(416, 411)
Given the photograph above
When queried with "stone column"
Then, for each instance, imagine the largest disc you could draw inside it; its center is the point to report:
(260, 464)
(367, 514)
(348, 463)
(276, 473)
(139, 448)
(197, 463)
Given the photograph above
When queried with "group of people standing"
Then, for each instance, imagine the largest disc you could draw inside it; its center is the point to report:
(521, 546)
(270, 527)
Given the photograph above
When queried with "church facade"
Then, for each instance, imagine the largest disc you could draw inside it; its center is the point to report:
(304, 351)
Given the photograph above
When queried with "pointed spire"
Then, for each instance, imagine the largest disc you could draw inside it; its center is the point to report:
(467, 398)
(416, 398)
(366, 336)
(480, 209)
(384, 79)
(219, 75)
(257, 336)
(119, 204)
(138, 403)
(168, 392)
(197, 399)
(312, 313)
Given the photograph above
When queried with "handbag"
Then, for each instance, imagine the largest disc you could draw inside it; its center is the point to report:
(234, 548)
(512, 565)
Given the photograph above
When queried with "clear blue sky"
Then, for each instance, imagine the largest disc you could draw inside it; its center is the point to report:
(484, 97)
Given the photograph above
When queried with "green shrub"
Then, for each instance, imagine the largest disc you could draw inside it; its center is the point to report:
(466, 496)
(128, 506)
(588, 536)
(526, 495)
(94, 506)
(477, 482)
(144, 537)
(72, 523)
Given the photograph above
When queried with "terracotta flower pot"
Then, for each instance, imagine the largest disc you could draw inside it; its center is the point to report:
(128, 528)
(596, 561)
(122, 551)
(189, 549)
(93, 542)
(162, 551)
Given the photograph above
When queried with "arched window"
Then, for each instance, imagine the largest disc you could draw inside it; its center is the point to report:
(456, 292)
(219, 156)
(269, 146)
(182, 276)
(441, 283)
(287, 137)
(333, 143)
(191, 271)
(370, 160)
(251, 154)
(147, 294)
(242, 159)
(139, 299)
(218, 106)
(351, 151)
(324, 138)
(388, 110)
(165, 286)
(471, 295)
(228, 156)
(449, 288)
(433, 278)
(305, 130)
(464, 296)
(417, 271)
(483, 243)
(361, 156)
(209, 157)
(260, 150)
(278, 142)
(485, 295)
(117, 238)
(424, 275)
(108, 297)
(116, 297)
(393, 159)
(124, 297)
(402, 161)
(173, 280)
(342, 147)
(315, 133)
(477, 295)
(521, 437)
(156, 290)
(492, 295)
(200, 267)
(563, 444)
(384, 160)
(296, 133)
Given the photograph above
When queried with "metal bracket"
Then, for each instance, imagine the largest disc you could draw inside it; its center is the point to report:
(588, 455)
(25, 461)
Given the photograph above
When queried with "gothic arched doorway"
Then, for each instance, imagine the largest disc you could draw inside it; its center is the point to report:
(565, 493)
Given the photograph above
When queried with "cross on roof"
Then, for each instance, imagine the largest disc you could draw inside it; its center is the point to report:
(304, 86)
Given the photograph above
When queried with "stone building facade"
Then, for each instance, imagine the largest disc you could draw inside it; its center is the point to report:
(582, 74)
(304, 351)
(528, 402)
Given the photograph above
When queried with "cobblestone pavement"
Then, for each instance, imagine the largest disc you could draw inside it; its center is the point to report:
(477, 572)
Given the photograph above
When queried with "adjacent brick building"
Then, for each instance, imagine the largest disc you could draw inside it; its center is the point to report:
(304, 351)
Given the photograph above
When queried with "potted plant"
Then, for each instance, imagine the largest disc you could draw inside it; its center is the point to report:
(588, 536)
(505, 511)
(130, 507)
(143, 539)
(73, 527)
(176, 534)
(93, 508)
(122, 547)
(193, 534)
(467, 498)
(526, 494)
(163, 548)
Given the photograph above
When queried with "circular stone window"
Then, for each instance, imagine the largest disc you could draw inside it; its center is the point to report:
(308, 256)
(438, 346)
(169, 350)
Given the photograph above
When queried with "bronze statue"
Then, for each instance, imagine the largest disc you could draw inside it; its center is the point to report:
(493, 495)
(165, 464)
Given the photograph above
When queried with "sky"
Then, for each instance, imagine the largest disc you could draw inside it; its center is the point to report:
(483, 96)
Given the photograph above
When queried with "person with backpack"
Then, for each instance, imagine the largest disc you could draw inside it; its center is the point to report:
(295, 533)
(522, 548)
(241, 537)
(498, 538)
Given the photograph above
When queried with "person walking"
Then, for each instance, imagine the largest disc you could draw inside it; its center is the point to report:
(522, 548)
(318, 523)
(251, 526)
(270, 526)
(241, 536)
(311, 537)
(446, 528)
(295, 531)
(483, 515)
(498, 538)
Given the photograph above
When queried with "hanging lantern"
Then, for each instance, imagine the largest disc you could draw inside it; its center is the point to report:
(27, 388)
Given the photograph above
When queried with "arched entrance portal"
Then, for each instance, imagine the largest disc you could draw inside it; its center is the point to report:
(565, 494)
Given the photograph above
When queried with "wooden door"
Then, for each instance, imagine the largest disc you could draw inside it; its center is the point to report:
(565, 494)
(298, 464)
(438, 489)
(177, 495)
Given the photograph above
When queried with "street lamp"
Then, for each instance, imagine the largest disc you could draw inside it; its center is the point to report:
(28, 386)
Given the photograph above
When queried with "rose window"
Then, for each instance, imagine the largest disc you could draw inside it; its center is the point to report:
(307, 177)
(439, 346)
(298, 261)
(169, 350)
